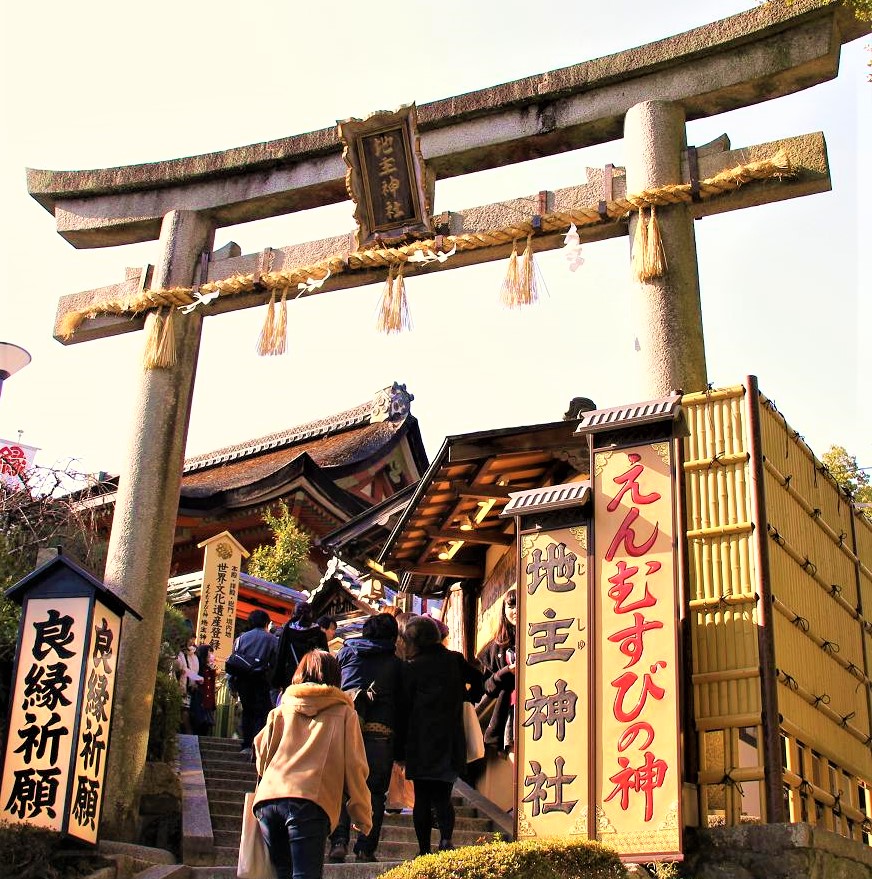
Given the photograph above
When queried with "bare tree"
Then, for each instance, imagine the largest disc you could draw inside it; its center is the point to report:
(54, 506)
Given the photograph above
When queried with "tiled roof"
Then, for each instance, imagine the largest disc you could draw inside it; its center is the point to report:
(356, 417)
(326, 451)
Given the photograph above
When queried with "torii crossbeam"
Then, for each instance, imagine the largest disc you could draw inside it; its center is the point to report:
(646, 94)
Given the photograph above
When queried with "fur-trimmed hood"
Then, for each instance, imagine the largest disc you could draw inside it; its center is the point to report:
(312, 699)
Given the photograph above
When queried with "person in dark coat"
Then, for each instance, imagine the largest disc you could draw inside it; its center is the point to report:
(296, 638)
(371, 671)
(436, 682)
(258, 646)
(497, 659)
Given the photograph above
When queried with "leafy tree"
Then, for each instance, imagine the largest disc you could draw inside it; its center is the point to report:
(282, 561)
(848, 475)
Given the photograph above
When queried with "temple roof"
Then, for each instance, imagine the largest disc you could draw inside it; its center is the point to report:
(328, 448)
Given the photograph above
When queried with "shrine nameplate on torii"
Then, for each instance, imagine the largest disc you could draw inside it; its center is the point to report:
(645, 94)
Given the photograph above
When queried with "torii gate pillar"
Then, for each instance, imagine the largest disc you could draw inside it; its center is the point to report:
(140, 547)
(667, 312)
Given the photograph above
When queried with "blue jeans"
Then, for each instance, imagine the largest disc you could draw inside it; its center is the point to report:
(295, 831)
(380, 758)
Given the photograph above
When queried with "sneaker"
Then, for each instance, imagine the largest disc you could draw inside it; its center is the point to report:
(366, 858)
(338, 853)
(245, 753)
(445, 845)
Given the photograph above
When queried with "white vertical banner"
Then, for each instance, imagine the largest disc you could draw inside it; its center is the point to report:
(222, 563)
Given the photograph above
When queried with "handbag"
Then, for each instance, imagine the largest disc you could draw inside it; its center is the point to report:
(473, 733)
(237, 665)
(254, 861)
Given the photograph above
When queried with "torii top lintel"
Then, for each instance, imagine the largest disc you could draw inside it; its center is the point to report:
(764, 53)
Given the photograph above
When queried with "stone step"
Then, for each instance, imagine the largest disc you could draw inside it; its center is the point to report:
(461, 822)
(228, 800)
(232, 756)
(229, 775)
(228, 817)
(351, 870)
(407, 834)
(225, 804)
(232, 763)
(229, 791)
(396, 842)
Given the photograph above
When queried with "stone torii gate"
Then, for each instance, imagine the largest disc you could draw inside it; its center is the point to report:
(646, 94)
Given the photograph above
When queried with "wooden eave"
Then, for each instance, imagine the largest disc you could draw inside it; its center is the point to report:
(321, 597)
(473, 473)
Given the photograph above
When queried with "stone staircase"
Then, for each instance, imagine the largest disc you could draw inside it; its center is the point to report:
(229, 776)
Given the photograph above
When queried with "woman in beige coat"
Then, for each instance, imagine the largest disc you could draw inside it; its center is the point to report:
(309, 752)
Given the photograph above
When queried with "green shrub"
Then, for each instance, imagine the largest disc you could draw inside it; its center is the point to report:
(28, 852)
(529, 859)
(166, 715)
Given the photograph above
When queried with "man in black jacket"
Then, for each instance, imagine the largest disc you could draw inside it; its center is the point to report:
(371, 671)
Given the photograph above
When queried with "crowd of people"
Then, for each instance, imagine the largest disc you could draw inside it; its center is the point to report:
(338, 740)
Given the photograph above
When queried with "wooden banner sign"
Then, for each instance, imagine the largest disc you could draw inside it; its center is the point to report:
(63, 689)
(90, 750)
(638, 770)
(553, 726)
(386, 178)
(217, 614)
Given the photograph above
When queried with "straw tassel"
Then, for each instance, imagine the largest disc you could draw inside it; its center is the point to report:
(394, 314)
(265, 342)
(166, 353)
(280, 330)
(510, 293)
(640, 247)
(655, 256)
(160, 345)
(528, 292)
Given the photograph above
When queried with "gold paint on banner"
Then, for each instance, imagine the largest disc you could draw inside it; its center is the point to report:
(662, 450)
(525, 828)
(527, 544)
(601, 460)
(580, 534)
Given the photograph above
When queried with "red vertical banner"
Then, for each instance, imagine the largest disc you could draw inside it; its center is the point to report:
(553, 719)
(638, 770)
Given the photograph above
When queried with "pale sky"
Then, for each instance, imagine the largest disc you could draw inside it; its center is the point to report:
(84, 87)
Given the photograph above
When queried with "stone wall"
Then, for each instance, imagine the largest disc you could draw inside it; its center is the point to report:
(774, 851)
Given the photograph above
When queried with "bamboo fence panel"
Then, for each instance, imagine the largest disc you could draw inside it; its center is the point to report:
(820, 554)
(723, 604)
(820, 792)
(821, 594)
